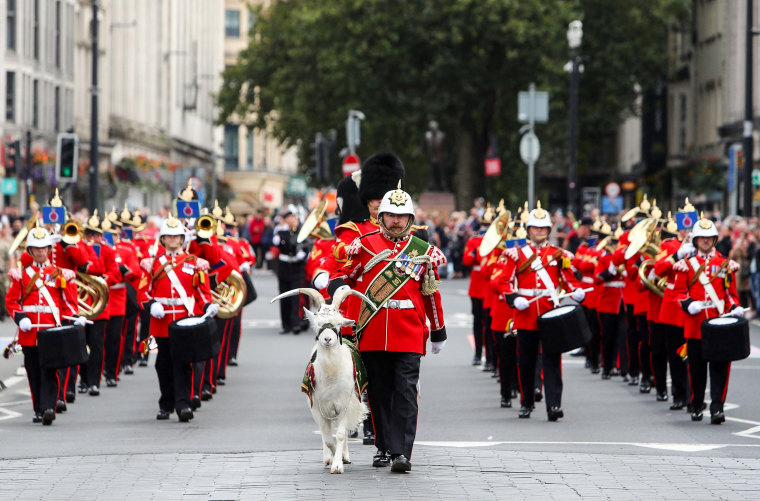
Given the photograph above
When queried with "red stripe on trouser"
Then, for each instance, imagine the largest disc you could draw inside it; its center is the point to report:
(725, 388)
(122, 333)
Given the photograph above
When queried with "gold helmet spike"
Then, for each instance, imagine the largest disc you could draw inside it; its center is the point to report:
(488, 215)
(217, 211)
(56, 200)
(618, 232)
(500, 209)
(670, 225)
(94, 220)
(687, 207)
(521, 232)
(525, 214)
(540, 213)
(172, 222)
(126, 216)
(39, 231)
(655, 212)
(187, 193)
(229, 218)
(645, 205)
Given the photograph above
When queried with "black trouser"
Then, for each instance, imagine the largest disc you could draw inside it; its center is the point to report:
(609, 323)
(288, 278)
(645, 364)
(528, 343)
(113, 346)
(43, 383)
(128, 346)
(67, 381)
(507, 362)
(658, 356)
(698, 368)
(211, 370)
(144, 331)
(90, 373)
(237, 330)
(174, 379)
(633, 339)
(488, 344)
(477, 325)
(679, 374)
(593, 347)
(392, 395)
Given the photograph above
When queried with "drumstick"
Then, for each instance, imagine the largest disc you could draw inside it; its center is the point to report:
(562, 296)
(731, 313)
(39, 326)
(89, 322)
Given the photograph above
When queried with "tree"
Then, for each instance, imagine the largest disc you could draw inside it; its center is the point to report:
(462, 63)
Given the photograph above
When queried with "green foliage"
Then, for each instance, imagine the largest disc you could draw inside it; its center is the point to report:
(462, 63)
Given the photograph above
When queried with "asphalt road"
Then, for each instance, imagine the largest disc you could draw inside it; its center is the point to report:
(261, 410)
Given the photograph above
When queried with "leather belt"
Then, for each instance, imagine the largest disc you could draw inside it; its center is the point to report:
(36, 308)
(172, 301)
(534, 292)
(399, 304)
(120, 285)
(671, 286)
(587, 280)
(617, 284)
(476, 268)
(289, 259)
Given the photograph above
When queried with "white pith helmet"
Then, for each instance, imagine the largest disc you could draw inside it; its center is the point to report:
(172, 226)
(396, 202)
(539, 218)
(38, 237)
(704, 228)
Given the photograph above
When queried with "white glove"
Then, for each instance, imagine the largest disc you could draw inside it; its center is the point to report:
(81, 321)
(300, 255)
(437, 347)
(578, 295)
(651, 276)
(25, 324)
(212, 309)
(321, 280)
(695, 307)
(737, 312)
(521, 303)
(612, 269)
(245, 267)
(536, 264)
(190, 235)
(685, 249)
(55, 238)
(157, 311)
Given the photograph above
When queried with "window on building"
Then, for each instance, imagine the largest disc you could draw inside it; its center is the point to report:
(36, 35)
(250, 148)
(10, 96)
(57, 109)
(231, 146)
(58, 33)
(10, 39)
(232, 23)
(35, 103)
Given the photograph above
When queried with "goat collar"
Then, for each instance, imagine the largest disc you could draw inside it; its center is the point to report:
(335, 329)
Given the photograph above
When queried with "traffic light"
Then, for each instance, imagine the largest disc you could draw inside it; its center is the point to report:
(67, 158)
(319, 157)
(12, 158)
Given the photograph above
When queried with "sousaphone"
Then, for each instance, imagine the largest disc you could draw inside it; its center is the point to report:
(495, 234)
(315, 224)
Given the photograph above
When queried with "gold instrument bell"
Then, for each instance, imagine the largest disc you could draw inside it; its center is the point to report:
(315, 224)
(496, 233)
(205, 226)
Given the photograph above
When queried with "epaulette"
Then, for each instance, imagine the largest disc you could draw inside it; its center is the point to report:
(350, 225)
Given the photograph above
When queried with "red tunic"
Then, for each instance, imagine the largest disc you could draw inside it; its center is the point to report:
(472, 260)
(670, 310)
(610, 286)
(585, 261)
(501, 312)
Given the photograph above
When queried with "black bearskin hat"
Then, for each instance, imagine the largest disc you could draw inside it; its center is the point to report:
(380, 174)
(351, 209)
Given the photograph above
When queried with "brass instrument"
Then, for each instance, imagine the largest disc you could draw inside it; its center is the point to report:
(495, 234)
(230, 295)
(645, 238)
(72, 232)
(205, 226)
(22, 234)
(94, 288)
(315, 225)
(659, 284)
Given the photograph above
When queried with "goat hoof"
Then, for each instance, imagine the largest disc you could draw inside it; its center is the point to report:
(346, 461)
(337, 468)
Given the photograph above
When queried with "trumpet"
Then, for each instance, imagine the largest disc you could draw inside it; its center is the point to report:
(205, 226)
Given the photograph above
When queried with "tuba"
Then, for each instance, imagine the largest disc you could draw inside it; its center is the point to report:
(495, 234)
(92, 295)
(645, 238)
(230, 295)
(315, 225)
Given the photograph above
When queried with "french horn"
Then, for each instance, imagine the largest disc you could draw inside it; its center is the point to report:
(92, 295)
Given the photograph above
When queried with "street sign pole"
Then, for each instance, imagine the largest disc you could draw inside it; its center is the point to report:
(532, 162)
(533, 107)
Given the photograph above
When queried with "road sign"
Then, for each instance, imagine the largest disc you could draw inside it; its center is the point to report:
(612, 189)
(612, 205)
(591, 196)
(756, 178)
(297, 185)
(351, 164)
(540, 106)
(10, 186)
(530, 148)
(493, 166)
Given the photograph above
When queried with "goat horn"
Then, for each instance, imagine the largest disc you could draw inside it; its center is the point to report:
(312, 293)
(341, 295)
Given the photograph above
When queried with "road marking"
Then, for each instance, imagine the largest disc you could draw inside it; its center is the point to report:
(650, 445)
(13, 380)
(8, 414)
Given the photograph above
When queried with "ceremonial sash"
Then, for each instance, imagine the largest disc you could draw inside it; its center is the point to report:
(706, 285)
(543, 275)
(45, 293)
(177, 285)
(388, 281)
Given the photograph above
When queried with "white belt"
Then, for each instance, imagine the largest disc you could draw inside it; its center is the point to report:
(476, 268)
(618, 284)
(289, 259)
(182, 311)
(173, 301)
(399, 304)
(587, 280)
(120, 285)
(671, 286)
(534, 292)
(37, 308)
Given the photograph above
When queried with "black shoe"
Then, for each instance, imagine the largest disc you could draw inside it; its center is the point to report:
(37, 418)
(369, 439)
(696, 416)
(634, 381)
(185, 415)
(401, 465)
(514, 393)
(83, 388)
(70, 397)
(94, 391)
(488, 367)
(142, 363)
(221, 381)
(677, 405)
(162, 415)
(717, 418)
(524, 413)
(614, 373)
(285, 331)
(206, 395)
(605, 375)
(60, 406)
(506, 403)
(662, 397)
(595, 370)
(128, 370)
(195, 403)
(111, 382)
(580, 352)
(539, 396)
(645, 386)
(48, 417)
(232, 362)
(555, 413)
(476, 360)
(381, 459)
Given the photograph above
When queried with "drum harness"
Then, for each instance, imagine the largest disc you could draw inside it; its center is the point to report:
(527, 251)
(45, 294)
(707, 286)
(177, 285)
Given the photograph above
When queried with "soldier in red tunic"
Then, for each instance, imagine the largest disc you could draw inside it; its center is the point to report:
(178, 288)
(397, 272)
(533, 275)
(41, 297)
(705, 288)
(477, 289)
(609, 303)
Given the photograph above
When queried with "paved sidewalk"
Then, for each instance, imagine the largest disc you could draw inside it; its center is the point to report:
(438, 473)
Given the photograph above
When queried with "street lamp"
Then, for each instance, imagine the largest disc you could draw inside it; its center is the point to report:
(574, 37)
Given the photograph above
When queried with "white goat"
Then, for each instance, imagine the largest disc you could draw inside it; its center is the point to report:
(335, 404)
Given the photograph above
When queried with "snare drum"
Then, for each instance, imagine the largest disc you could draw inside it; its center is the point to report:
(62, 346)
(193, 339)
(725, 339)
(563, 329)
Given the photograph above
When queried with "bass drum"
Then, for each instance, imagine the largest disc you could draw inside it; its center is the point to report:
(193, 339)
(725, 339)
(563, 329)
(250, 294)
(63, 346)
